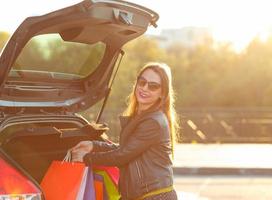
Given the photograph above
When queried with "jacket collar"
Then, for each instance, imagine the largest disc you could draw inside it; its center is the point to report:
(124, 120)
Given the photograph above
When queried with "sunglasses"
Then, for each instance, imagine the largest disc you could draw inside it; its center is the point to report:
(152, 86)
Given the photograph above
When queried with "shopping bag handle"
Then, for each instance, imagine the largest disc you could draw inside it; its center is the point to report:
(68, 157)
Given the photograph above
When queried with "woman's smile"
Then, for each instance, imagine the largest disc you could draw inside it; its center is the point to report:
(143, 94)
(148, 89)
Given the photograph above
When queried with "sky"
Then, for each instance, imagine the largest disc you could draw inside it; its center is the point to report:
(236, 21)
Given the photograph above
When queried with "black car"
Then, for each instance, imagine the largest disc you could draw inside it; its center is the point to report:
(53, 67)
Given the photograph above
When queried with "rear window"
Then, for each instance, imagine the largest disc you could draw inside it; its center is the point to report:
(49, 54)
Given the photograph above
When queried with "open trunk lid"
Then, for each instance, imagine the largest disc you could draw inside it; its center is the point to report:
(100, 28)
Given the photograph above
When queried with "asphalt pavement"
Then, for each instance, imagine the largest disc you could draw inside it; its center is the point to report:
(223, 187)
(223, 159)
(223, 171)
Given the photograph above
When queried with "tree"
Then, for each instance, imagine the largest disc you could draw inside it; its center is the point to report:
(4, 36)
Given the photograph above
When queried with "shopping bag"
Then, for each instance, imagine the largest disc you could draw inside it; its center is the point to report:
(99, 190)
(89, 193)
(82, 187)
(111, 188)
(113, 172)
(98, 178)
(63, 180)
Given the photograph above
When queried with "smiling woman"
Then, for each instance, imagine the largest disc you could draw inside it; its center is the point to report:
(143, 154)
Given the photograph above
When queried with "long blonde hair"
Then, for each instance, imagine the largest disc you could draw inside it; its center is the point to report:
(166, 103)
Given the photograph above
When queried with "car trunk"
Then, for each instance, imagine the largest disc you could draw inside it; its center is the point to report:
(34, 145)
(38, 99)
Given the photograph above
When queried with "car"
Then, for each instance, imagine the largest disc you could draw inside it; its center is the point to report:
(53, 67)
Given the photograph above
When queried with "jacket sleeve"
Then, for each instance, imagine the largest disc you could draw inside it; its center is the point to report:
(146, 134)
(99, 146)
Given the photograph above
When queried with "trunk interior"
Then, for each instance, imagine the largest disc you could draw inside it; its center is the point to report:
(35, 145)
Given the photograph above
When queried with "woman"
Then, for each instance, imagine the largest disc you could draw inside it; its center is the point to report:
(146, 142)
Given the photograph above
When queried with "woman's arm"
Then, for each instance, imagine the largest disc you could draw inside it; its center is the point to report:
(87, 146)
(146, 134)
(102, 146)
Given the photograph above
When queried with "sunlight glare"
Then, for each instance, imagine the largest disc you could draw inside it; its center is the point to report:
(234, 21)
(239, 22)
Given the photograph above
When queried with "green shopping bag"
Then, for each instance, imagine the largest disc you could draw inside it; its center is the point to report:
(111, 188)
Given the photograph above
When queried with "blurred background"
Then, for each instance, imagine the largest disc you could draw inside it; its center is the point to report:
(220, 53)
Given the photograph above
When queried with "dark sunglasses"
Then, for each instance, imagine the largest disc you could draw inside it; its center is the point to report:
(152, 86)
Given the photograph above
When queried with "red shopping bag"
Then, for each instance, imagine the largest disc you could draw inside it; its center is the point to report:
(62, 180)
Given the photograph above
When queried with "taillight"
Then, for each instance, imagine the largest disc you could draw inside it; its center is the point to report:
(15, 186)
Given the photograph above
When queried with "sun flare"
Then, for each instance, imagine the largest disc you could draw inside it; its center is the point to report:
(235, 21)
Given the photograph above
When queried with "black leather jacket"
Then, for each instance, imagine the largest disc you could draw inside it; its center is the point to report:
(143, 155)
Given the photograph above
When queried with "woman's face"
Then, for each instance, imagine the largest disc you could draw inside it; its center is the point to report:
(148, 89)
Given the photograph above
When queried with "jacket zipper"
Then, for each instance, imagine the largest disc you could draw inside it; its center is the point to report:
(139, 174)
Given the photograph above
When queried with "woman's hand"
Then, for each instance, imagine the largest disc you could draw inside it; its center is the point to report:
(80, 150)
